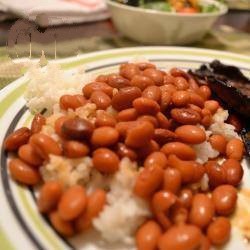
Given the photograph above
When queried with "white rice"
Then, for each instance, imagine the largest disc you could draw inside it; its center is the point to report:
(124, 212)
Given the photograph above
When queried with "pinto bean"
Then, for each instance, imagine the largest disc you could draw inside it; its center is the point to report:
(149, 118)
(102, 78)
(181, 237)
(181, 150)
(186, 197)
(29, 155)
(104, 119)
(104, 136)
(124, 127)
(129, 70)
(156, 158)
(124, 151)
(191, 134)
(125, 97)
(117, 81)
(168, 79)
(89, 88)
(219, 231)
(180, 98)
(77, 128)
(235, 149)
(185, 116)
(49, 195)
(212, 105)
(234, 171)
(23, 173)
(178, 214)
(163, 136)
(105, 160)
(181, 83)
(72, 203)
(145, 65)
(63, 227)
(162, 120)
(72, 101)
(224, 198)
(172, 180)
(165, 100)
(127, 115)
(152, 92)
(205, 92)
(202, 210)
(44, 145)
(147, 235)
(175, 72)
(146, 106)
(156, 75)
(75, 149)
(218, 142)
(139, 135)
(100, 99)
(150, 147)
(196, 99)
(37, 123)
(141, 81)
(148, 181)
(58, 125)
(17, 139)
(95, 204)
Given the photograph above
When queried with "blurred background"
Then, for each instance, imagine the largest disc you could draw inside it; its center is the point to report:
(63, 28)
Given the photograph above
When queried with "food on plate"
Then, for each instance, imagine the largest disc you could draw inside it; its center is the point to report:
(179, 6)
(143, 156)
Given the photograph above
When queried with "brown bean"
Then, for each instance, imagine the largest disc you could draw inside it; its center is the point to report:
(193, 84)
(145, 65)
(58, 125)
(169, 88)
(156, 158)
(172, 180)
(202, 210)
(72, 101)
(29, 155)
(146, 106)
(37, 123)
(165, 100)
(49, 195)
(139, 135)
(181, 150)
(219, 231)
(191, 134)
(105, 160)
(185, 116)
(152, 92)
(176, 72)
(127, 115)
(104, 136)
(89, 88)
(104, 119)
(181, 237)
(212, 105)
(148, 181)
(168, 79)
(205, 92)
(124, 151)
(102, 78)
(142, 82)
(117, 81)
(235, 149)
(129, 70)
(100, 99)
(149, 118)
(147, 236)
(72, 203)
(163, 136)
(234, 171)
(178, 214)
(162, 201)
(186, 197)
(196, 99)
(44, 145)
(181, 83)
(95, 204)
(124, 127)
(224, 198)
(149, 148)
(180, 98)
(156, 75)
(75, 149)
(77, 128)
(218, 142)
(63, 227)
(194, 107)
(236, 122)
(162, 120)
(23, 173)
(125, 97)
(207, 120)
(17, 139)
(216, 174)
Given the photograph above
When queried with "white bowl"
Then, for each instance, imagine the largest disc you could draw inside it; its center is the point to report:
(163, 28)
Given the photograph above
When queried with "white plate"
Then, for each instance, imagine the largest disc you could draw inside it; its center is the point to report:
(21, 225)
